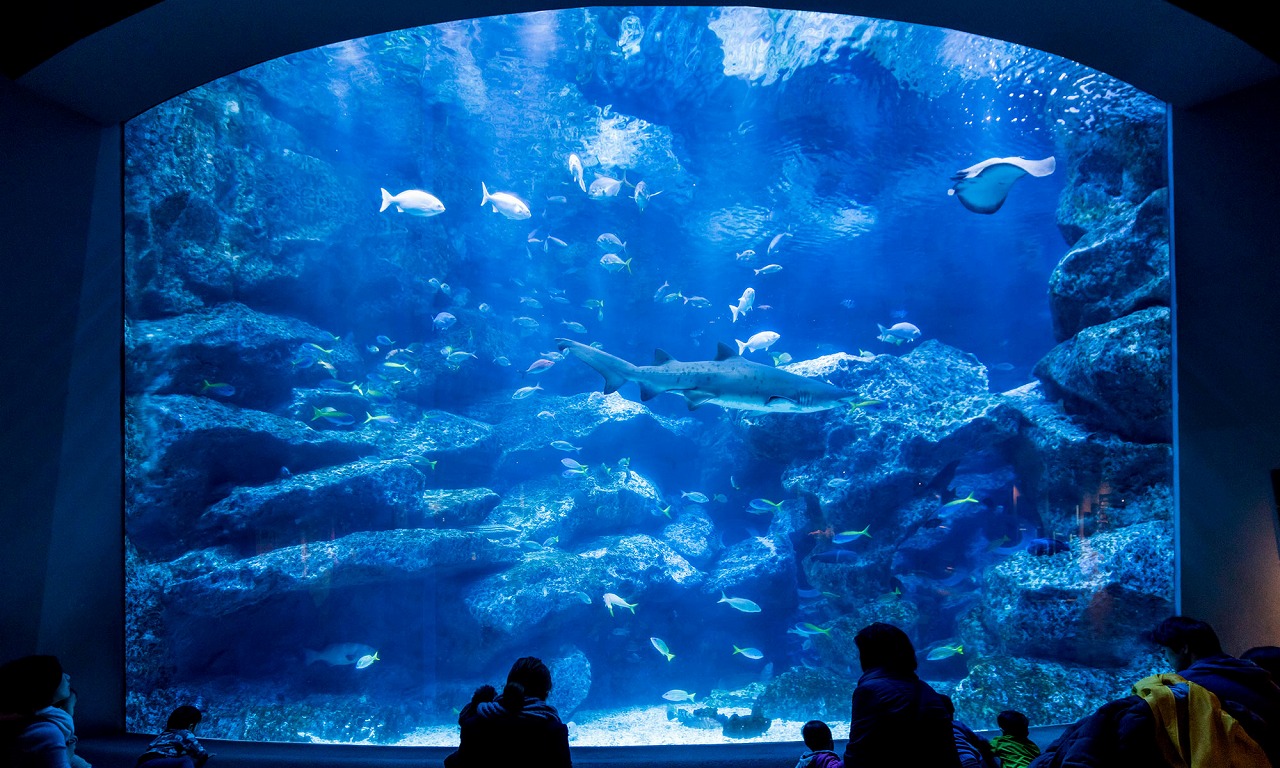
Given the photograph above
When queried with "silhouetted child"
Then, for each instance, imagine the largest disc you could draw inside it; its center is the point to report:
(1014, 746)
(821, 754)
(176, 746)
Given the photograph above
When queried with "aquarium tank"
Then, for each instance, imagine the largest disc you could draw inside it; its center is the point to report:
(670, 345)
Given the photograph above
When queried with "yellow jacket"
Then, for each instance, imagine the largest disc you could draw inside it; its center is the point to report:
(1193, 731)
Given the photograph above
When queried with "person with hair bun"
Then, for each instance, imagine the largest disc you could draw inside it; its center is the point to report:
(897, 718)
(517, 727)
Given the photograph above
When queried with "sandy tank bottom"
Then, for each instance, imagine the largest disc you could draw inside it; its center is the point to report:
(630, 726)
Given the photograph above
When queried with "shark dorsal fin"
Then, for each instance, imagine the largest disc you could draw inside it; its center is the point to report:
(724, 351)
(661, 357)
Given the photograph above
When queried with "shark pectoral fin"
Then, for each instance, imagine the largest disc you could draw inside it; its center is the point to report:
(648, 393)
(612, 383)
(724, 351)
(697, 398)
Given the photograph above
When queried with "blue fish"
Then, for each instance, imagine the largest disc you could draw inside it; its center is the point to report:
(836, 556)
(1041, 547)
(220, 388)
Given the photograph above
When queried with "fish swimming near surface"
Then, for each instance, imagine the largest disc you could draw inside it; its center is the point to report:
(982, 188)
(898, 333)
(505, 203)
(339, 654)
(414, 202)
(604, 186)
(575, 169)
(729, 381)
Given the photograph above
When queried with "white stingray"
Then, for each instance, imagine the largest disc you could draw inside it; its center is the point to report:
(982, 188)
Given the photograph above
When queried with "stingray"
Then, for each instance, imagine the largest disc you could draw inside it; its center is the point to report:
(982, 188)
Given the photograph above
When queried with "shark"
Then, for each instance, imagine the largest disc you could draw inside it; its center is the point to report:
(729, 381)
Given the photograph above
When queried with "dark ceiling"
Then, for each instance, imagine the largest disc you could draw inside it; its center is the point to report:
(44, 29)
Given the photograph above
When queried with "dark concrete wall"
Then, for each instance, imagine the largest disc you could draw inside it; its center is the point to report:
(1226, 215)
(61, 560)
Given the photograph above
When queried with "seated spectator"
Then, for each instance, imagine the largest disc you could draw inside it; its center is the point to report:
(822, 747)
(1192, 648)
(35, 734)
(177, 746)
(517, 728)
(1267, 657)
(973, 750)
(1014, 746)
(897, 718)
(1168, 721)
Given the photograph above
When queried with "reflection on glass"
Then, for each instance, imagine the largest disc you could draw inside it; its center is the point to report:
(671, 345)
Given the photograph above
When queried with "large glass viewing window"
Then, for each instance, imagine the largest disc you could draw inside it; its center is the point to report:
(670, 345)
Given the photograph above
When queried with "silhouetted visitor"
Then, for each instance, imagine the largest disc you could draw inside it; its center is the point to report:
(177, 746)
(1192, 718)
(897, 719)
(517, 728)
(973, 750)
(1192, 647)
(1267, 657)
(1014, 746)
(822, 747)
(33, 732)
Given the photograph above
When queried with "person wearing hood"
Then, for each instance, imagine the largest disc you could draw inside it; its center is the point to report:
(517, 728)
(33, 732)
(1192, 648)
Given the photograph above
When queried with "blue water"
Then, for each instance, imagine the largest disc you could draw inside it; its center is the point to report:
(746, 126)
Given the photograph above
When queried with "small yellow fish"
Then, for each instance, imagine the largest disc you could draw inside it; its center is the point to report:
(945, 652)
(967, 499)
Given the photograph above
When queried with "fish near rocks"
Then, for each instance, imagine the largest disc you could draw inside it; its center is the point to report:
(898, 333)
